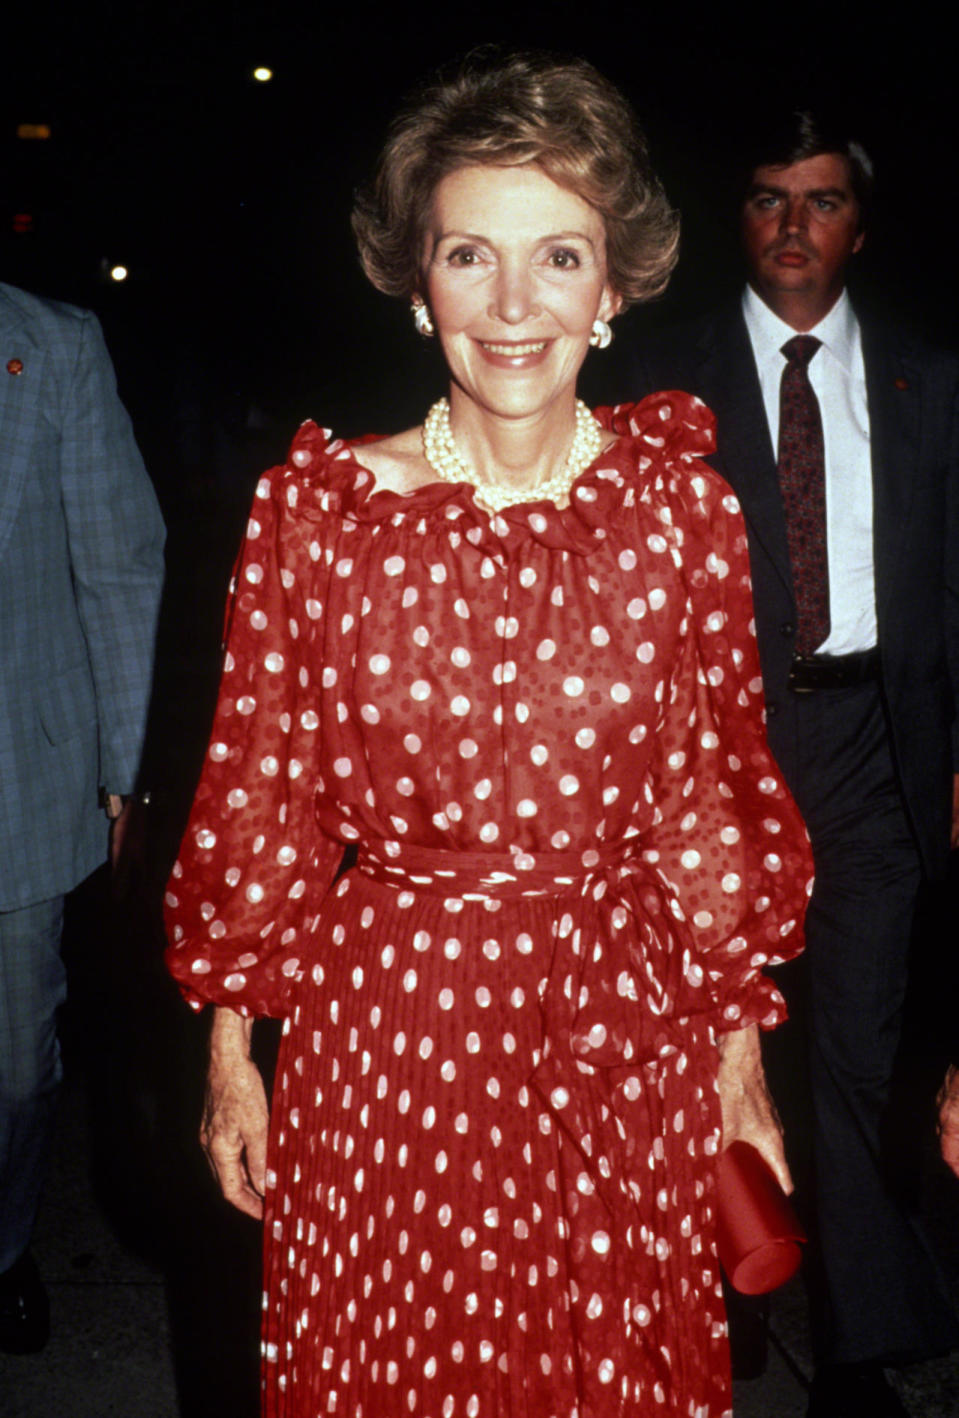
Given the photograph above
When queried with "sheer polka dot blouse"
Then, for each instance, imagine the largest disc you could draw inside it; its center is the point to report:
(491, 1162)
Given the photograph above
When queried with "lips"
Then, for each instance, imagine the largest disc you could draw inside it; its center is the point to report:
(514, 351)
(790, 255)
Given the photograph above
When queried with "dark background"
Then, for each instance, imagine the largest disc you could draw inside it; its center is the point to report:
(228, 200)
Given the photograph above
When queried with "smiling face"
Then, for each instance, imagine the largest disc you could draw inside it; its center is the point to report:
(514, 276)
(801, 224)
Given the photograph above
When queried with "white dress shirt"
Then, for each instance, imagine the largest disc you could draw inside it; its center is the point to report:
(838, 378)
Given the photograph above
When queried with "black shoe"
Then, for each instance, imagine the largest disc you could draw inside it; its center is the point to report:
(24, 1308)
(853, 1391)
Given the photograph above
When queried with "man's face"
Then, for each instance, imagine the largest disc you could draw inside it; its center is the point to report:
(801, 224)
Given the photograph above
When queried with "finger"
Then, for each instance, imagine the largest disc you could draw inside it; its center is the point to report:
(256, 1162)
(769, 1145)
(224, 1153)
(229, 1169)
(777, 1160)
(240, 1194)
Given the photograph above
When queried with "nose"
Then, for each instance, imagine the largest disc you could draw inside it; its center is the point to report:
(513, 298)
(794, 214)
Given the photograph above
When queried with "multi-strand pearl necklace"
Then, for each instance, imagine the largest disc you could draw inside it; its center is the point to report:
(444, 458)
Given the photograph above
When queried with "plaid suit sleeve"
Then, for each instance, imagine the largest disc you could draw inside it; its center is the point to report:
(116, 537)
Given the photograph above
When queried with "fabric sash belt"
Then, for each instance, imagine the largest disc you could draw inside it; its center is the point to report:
(480, 876)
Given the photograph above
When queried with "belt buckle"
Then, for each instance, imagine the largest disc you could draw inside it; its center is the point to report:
(791, 679)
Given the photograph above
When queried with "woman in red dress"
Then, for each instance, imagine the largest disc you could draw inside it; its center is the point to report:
(508, 657)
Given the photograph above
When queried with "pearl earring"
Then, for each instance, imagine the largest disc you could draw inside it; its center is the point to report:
(423, 320)
(601, 335)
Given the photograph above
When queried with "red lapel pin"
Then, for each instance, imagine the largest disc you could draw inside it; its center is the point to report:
(14, 366)
(901, 383)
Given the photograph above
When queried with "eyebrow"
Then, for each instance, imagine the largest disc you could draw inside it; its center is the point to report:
(841, 194)
(456, 235)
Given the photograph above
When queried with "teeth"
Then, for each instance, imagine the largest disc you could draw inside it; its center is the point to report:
(514, 349)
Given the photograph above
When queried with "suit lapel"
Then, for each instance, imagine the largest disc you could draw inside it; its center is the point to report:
(745, 455)
(894, 392)
(21, 379)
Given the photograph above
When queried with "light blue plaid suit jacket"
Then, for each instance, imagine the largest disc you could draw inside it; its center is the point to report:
(81, 570)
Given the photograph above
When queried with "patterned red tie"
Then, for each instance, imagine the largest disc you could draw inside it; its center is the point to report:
(802, 479)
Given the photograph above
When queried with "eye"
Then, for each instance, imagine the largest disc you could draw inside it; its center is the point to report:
(463, 256)
(825, 204)
(563, 258)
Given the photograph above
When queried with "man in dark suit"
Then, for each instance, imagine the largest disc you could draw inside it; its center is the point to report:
(842, 448)
(81, 569)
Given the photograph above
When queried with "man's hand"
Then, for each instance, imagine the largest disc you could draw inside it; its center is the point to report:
(235, 1115)
(749, 1114)
(948, 1102)
(118, 812)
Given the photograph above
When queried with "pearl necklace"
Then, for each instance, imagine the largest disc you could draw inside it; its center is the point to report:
(439, 448)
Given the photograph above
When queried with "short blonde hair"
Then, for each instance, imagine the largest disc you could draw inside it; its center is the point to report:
(561, 116)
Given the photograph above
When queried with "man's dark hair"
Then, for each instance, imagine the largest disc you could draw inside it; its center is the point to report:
(792, 137)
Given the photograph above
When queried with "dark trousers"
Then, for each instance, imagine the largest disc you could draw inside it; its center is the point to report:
(879, 1294)
(33, 985)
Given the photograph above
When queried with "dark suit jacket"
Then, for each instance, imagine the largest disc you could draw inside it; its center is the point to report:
(81, 568)
(913, 396)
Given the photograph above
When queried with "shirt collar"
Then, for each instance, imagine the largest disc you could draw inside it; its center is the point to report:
(838, 331)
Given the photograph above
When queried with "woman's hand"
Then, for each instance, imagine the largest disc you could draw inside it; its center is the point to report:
(948, 1102)
(235, 1114)
(749, 1113)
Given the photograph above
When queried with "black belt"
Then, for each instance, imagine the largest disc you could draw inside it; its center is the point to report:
(811, 672)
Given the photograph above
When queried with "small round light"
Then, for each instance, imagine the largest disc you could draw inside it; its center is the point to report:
(118, 273)
(262, 74)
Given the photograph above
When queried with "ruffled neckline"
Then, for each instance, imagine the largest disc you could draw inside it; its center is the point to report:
(661, 430)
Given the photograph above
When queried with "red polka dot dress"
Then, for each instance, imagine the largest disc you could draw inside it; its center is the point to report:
(494, 1132)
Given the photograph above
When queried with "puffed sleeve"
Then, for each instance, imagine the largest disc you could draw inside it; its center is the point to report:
(727, 835)
(253, 866)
